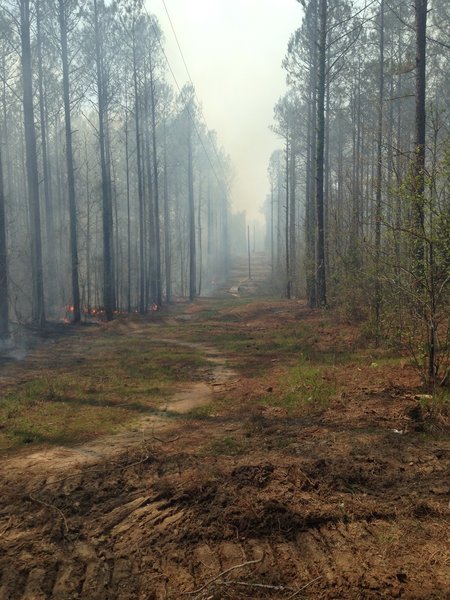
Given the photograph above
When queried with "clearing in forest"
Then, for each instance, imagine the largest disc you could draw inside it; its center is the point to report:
(224, 449)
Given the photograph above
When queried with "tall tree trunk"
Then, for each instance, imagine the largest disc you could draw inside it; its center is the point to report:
(326, 160)
(310, 212)
(321, 86)
(4, 316)
(50, 254)
(167, 248)
(199, 226)
(292, 217)
(38, 306)
(157, 232)
(127, 175)
(428, 312)
(192, 245)
(286, 222)
(271, 228)
(151, 262)
(117, 245)
(70, 165)
(108, 273)
(9, 173)
(88, 230)
(142, 275)
(378, 212)
(225, 237)
(420, 122)
(399, 160)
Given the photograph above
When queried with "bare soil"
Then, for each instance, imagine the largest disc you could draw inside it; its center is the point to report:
(244, 499)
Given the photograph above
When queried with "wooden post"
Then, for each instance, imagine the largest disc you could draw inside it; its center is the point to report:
(248, 246)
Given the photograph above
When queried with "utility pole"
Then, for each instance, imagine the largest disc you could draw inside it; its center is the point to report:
(248, 246)
(271, 227)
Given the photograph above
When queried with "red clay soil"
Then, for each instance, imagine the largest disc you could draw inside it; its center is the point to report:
(351, 502)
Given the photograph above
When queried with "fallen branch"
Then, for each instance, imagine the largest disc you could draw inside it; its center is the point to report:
(138, 462)
(279, 588)
(54, 508)
(304, 587)
(245, 564)
(170, 441)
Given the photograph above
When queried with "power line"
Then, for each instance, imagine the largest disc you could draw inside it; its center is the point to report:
(195, 92)
(188, 110)
(178, 43)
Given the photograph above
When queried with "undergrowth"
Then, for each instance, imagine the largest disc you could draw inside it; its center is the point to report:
(303, 389)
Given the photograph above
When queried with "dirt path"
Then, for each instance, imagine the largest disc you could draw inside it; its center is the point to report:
(44, 553)
(248, 500)
(193, 395)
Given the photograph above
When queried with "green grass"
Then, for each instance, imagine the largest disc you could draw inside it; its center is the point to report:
(116, 376)
(256, 347)
(226, 446)
(304, 389)
(200, 412)
(115, 381)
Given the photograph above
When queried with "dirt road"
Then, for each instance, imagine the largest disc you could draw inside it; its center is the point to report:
(247, 496)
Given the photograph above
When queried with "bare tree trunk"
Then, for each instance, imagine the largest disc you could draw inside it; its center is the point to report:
(151, 262)
(192, 245)
(292, 217)
(142, 275)
(271, 228)
(70, 165)
(127, 175)
(9, 173)
(378, 211)
(117, 244)
(321, 85)
(167, 248)
(225, 237)
(421, 9)
(50, 254)
(357, 168)
(38, 306)
(88, 230)
(4, 312)
(199, 226)
(108, 274)
(157, 242)
(286, 222)
(310, 250)
(420, 122)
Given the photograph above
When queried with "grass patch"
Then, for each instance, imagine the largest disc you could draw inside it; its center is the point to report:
(200, 412)
(433, 410)
(256, 347)
(115, 380)
(226, 446)
(303, 389)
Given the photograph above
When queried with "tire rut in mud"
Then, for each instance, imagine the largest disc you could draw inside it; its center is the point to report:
(161, 523)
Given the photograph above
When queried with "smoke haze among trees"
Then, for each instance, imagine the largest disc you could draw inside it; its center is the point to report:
(114, 194)
(358, 214)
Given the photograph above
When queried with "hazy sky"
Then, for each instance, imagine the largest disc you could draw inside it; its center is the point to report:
(234, 49)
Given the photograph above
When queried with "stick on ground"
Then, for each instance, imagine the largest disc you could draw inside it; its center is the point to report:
(304, 587)
(245, 564)
(66, 527)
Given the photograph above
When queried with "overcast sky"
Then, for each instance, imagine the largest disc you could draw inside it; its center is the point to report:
(234, 49)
